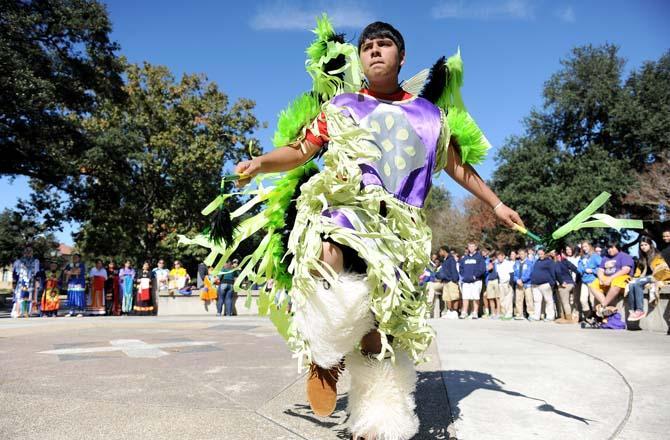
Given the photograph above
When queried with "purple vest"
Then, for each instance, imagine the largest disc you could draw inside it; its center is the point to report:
(406, 134)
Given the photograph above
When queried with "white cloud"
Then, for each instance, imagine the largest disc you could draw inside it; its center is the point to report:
(485, 9)
(283, 15)
(566, 14)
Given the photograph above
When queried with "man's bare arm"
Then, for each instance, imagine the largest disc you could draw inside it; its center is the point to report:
(278, 160)
(467, 177)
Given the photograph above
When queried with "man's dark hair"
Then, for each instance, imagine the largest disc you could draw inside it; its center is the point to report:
(379, 29)
(613, 244)
(445, 249)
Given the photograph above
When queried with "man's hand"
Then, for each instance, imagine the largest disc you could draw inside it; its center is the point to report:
(519, 283)
(508, 216)
(249, 168)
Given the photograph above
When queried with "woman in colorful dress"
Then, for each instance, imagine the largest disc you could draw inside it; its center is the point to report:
(208, 292)
(143, 304)
(24, 272)
(75, 278)
(112, 297)
(96, 300)
(51, 296)
(126, 281)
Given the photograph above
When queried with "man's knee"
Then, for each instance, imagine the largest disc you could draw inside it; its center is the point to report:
(332, 255)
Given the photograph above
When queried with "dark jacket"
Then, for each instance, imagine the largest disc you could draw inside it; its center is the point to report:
(493, 273)
(544, 271)
(563, 270)
(448, 271)
(472, 267)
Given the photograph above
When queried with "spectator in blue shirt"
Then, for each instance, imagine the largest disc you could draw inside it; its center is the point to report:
(492, 293)
(566, 285)
(433, 286)
(543, 280)
(448, 275)
(472, 270)
(522, 270)
(588, 265)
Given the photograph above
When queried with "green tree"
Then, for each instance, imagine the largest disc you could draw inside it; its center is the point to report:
(56, 64)
(17, 231)
(155, 163)
(591, 135)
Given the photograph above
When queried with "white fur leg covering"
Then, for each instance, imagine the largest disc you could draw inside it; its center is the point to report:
(334, 319)
(381, 397)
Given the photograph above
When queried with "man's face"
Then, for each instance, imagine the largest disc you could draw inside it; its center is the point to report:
(161, 263)
(512, 255)
(98, 264)
(53, 267)
(612, 251)
(472, 248)
(522, 255)
(500, 258)
(75, 258)
(380, 59)
(540, 254)
(599, 250)
(666, 236)
(27, 252)
(586, 248)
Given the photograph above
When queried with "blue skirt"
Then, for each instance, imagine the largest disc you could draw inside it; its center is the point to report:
(76, 296)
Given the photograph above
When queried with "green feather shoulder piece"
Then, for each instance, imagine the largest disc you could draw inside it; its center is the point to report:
(443, 88)
(334, 67)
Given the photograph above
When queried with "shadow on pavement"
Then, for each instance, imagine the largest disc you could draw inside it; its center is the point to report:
(462, 383)
(432, 409)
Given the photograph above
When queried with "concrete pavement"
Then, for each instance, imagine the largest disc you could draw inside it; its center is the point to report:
(207, 377)
(527, 380)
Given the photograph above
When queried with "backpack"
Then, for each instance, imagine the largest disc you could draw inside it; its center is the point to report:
(614, 322)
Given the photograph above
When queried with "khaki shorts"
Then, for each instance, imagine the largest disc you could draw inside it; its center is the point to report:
(492, 290)
(450, 292)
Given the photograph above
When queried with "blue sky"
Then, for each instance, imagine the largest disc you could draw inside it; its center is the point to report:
(256, 49)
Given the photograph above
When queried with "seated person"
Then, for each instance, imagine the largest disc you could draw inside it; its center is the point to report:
(178, 277)
(651, 271)
(613, 276)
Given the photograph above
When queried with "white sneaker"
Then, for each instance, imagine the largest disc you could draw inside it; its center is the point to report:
(463, 315)
(453, 314)
(472, 316)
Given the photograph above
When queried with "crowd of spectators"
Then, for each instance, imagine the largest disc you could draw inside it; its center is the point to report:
(106, 289)
(575, 284)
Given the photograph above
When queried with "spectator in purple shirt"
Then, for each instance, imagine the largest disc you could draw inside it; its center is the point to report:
(613, 275)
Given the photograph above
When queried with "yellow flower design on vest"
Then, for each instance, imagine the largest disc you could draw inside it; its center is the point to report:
(400, 146)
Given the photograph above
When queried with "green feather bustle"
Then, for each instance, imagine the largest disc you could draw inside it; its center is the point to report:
(472, 142)
(300, 113)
